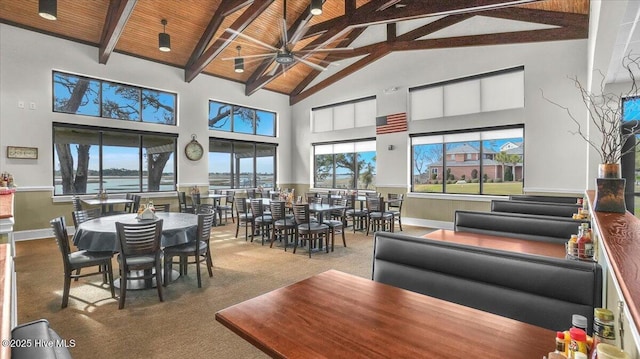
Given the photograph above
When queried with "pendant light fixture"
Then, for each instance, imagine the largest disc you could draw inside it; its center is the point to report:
(238, 63)
(316, 7)
(164, 40)
(48, 9)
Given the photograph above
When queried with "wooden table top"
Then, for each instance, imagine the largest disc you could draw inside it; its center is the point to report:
(338, 315)
(502, 243)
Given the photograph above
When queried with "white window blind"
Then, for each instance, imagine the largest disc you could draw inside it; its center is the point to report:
(344, 116)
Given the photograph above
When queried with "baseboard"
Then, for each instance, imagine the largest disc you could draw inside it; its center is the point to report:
(421, 222)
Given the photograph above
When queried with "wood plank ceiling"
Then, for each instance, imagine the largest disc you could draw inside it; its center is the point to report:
(202, 42)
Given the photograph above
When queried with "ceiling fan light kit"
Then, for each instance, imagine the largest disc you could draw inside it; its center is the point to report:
(48, 9)
(164, 40)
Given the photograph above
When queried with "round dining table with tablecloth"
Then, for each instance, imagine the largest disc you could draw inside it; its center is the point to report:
(99, 234)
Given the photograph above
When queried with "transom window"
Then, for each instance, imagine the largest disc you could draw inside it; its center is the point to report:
(99, 98)
(486, 161)
(240, 119)
(88, 160)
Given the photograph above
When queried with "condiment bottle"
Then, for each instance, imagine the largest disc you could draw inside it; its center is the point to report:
(560, 347)
(603, 329)
(578, 342)
(585, 245)
(579, 321)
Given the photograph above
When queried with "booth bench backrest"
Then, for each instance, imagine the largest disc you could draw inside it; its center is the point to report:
(539, 290)
(516, 225)
(536, 198)
(540, 208)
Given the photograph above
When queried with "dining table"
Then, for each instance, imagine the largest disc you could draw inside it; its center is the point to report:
(338, 315)
(106, 203)
(99, 234)
(549, 249)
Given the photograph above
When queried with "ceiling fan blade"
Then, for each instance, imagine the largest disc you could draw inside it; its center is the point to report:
(299, 33)
(310, 64)
(274, 69)
(259, 56)
(285, 37)
(264, 44)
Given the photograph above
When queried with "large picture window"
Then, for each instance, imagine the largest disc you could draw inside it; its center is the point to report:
(241, 164)
(345, 165)
(486, 161)
(86, 96)
(88, 160)
(239, 119)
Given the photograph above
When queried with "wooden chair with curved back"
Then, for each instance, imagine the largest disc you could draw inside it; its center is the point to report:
(74, 261)
(226, 207)
(337, 220)
(84, 215)
(261, 219)
(139, 247)
(377, 217)
(244, 217)
(308, 230)
(199, 249)
(182, 203)
(282, 225)
(394, 205)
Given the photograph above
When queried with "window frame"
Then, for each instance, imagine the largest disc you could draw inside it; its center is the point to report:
(482, 156)
(234, 177)
(232, 119)
(356, 171)
(100, 105)
(100, 131)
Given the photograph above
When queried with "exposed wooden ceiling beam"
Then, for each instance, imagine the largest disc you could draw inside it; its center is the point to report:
(117, 17)
(222, 11)
(380, 52)
(434, 26)
(247, 17)
(313, 74)
(539, 16)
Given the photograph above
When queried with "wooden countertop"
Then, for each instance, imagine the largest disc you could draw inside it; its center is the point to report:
(620, 236)
(338, 315)
(502, 243)
(6, 205)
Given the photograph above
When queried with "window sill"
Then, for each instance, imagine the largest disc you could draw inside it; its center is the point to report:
(457, 197)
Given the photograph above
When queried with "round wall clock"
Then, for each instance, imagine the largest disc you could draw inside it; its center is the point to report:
(193, 150)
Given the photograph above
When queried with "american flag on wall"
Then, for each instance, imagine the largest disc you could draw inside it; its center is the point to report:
(391, 123)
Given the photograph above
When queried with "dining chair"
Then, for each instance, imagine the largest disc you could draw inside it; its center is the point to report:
(199, 249)
(357, 215)
(394, 205)
(307, 230)
(84, 215)
(377, 217)
(337, 220)
(182, 203)
(128, 207)
(244, 217)
(261, 219)
(282, 225)
(163, 207)
(139, 250)
(227, 207)
(76, 203)
(74, 261)
(195, 200)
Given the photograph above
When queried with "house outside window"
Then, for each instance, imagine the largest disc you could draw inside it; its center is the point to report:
(482, 161)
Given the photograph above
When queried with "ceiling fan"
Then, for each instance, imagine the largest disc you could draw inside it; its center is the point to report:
(284, 55)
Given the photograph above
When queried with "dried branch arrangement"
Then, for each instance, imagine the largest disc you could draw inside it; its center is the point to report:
(605, 111)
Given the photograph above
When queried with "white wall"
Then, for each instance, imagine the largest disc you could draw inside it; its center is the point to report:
(26, 61)
(554, 159)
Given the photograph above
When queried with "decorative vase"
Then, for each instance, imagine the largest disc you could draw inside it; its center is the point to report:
(609, 170)
(610, 189)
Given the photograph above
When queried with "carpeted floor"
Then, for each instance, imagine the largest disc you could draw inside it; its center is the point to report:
(184, 324)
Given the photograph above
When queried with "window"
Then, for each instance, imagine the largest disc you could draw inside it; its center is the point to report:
(85, 96)
(630, 163)
(498, 90)
(239, 119)
(88, 160)
(486, 161)
(241, 164)
(344, 115)
(346, 165)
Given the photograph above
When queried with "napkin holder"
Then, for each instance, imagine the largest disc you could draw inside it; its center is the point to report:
(147, 214)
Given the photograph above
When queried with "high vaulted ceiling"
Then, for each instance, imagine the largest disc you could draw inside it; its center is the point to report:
(204, 33)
